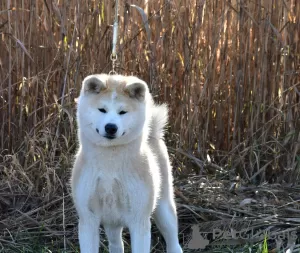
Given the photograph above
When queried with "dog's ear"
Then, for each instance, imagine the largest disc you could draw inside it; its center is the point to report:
(136, 88)
(93, 84)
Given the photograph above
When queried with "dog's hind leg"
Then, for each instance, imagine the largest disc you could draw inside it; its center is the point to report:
(165, 213)
(166, 220)
(89, 234)
(114, 236)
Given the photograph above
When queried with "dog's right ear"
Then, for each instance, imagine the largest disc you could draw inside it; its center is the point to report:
(93, 84)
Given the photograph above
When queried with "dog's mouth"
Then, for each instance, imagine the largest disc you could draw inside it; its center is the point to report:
(110, 137)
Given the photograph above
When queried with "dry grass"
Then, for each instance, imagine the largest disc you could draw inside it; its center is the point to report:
(228, 69)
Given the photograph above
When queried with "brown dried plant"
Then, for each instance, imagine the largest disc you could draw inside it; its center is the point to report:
(229, 71)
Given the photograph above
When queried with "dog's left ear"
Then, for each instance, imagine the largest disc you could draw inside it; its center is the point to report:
(136, 88)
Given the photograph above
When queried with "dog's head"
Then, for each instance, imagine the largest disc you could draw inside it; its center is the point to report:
(112, 109)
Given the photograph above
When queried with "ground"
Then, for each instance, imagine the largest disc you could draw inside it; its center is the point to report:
(218, 214)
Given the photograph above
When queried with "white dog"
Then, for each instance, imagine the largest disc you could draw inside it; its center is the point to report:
(122, 172)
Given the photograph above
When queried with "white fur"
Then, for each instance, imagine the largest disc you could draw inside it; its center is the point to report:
(120, 182)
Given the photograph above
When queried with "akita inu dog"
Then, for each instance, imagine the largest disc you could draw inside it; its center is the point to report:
(122, 174)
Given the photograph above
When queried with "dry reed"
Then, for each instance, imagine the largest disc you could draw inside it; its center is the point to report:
(229, 71)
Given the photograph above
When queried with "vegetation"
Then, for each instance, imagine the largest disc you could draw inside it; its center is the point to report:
(229, 71)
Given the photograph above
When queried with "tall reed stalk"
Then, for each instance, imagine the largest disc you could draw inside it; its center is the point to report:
(229, 71)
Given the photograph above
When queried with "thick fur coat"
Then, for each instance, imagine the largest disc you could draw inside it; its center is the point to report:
(122, 174)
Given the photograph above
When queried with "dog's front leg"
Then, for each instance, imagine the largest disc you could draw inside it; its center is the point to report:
(89, 234)
(114, 236)
(140, 234)
(166, 221)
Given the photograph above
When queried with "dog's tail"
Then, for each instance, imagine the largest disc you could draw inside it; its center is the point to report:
(159, 120)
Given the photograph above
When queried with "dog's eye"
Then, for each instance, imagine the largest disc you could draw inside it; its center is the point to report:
(122, 112)
(102, 110)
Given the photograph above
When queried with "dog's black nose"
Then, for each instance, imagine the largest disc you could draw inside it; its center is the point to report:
(111, 129)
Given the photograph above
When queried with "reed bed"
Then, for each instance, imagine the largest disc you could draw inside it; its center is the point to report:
(229, 71)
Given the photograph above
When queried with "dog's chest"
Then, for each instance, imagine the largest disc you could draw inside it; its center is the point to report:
(115, 189)
(111, 193)
(115, 192)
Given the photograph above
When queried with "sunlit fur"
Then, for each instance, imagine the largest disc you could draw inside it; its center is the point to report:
(122, 180)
